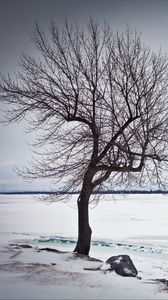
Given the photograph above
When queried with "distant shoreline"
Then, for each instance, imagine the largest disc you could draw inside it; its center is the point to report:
(77, 192)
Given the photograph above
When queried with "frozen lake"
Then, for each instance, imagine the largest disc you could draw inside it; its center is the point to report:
(135, 223)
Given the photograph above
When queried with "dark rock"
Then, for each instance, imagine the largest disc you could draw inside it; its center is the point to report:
(51, 250)
(18, 246)
(25, 246)
(163, 280)
(122, 265)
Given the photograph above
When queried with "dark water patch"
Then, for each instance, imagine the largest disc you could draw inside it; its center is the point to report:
(65, 241)
(56, 239)
(101, 243)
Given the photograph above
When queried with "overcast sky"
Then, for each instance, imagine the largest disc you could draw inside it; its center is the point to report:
(17, 18)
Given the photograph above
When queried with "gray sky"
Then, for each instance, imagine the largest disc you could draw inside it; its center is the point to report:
(17, 18)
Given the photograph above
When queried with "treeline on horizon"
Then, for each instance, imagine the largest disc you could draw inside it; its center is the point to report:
(77, 192)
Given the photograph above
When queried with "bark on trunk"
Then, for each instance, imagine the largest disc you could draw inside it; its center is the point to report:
(84, 230)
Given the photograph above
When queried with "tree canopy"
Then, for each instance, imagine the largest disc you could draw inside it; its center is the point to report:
(99, 98)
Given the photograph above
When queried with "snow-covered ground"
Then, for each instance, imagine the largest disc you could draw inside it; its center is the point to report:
(135, 225)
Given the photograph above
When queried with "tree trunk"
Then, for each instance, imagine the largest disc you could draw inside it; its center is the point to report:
(84, 230)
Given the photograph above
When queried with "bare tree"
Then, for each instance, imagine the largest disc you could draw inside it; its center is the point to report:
(99, 101)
